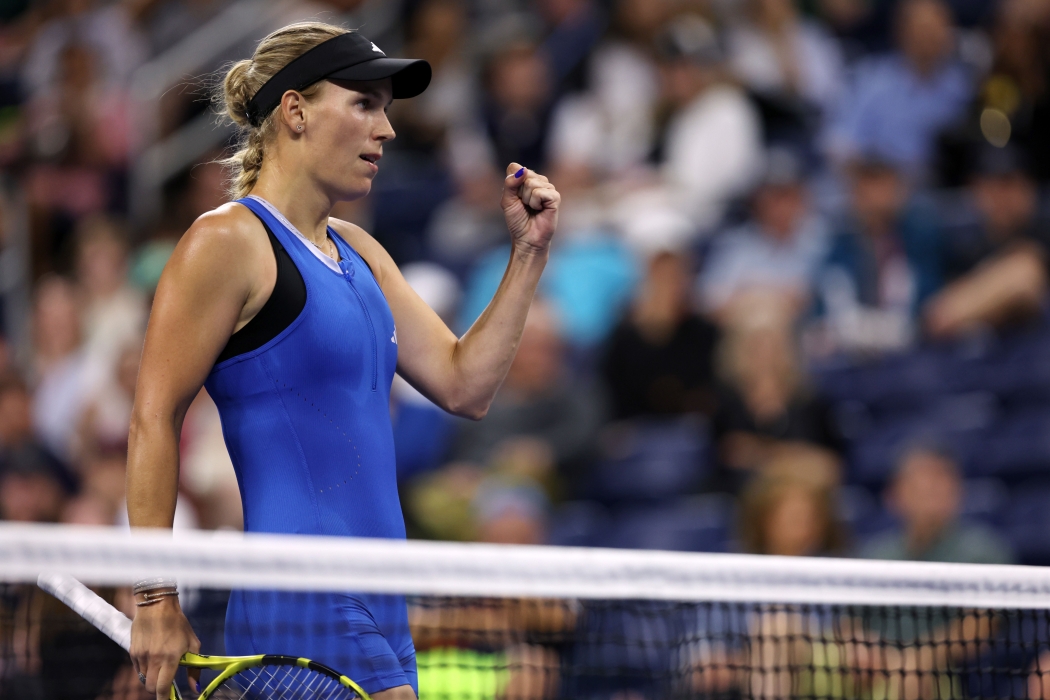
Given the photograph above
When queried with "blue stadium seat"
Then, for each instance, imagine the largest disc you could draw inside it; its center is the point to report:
(694, 524)
(579, 524)
(1015, 447)
(986, 501)
(651, 461)
(965, 422)
(1027, 522)
(862, 512)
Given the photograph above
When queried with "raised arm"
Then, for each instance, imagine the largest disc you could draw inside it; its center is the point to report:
(207, 290)
(462, 375)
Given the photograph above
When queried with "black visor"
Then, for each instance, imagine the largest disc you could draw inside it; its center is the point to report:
(345, 57)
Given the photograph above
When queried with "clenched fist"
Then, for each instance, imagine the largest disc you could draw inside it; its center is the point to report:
(530, 204)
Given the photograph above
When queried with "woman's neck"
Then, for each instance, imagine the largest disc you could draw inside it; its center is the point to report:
(299, 200)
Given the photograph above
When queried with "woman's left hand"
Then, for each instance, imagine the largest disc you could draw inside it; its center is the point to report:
(530, 205)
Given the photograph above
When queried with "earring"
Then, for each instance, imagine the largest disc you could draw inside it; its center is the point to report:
(299, 128)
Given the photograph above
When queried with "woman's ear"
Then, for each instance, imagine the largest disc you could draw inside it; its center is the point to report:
(292, 110)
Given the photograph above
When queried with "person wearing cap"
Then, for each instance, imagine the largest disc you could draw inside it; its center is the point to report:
(296, 323)
(995, 262)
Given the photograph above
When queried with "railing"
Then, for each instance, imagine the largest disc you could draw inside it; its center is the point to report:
(242, 23)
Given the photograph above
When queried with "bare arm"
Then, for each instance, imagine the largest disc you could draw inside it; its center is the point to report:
(208, 289)
(462, 375)
(1007, 287)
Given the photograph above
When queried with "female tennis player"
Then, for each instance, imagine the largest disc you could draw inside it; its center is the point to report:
(296, 322)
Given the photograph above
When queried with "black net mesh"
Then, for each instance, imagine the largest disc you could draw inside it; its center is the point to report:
(479, 648)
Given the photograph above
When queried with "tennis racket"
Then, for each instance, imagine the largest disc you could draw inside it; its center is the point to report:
(262, 677)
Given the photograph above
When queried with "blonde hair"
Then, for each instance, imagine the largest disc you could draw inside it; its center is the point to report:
(245, 78)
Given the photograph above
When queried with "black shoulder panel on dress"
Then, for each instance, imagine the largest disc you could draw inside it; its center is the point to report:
(285, 304)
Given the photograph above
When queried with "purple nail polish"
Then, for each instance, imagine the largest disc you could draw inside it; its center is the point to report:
(519, 173)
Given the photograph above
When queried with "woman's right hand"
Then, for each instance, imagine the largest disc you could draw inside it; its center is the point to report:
(160, 635)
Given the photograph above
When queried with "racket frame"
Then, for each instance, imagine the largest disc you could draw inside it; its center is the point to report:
(229, 666)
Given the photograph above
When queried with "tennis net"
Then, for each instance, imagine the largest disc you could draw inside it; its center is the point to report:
(492, 621)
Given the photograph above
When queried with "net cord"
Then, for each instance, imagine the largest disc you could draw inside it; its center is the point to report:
(224, 560)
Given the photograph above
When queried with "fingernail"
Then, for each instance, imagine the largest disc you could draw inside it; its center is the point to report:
(519, 173)
(197, 685)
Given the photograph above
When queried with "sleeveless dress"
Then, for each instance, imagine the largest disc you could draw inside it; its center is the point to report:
(306, 419)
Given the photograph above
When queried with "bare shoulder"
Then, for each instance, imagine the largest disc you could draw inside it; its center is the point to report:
(228, 241)
(367, 247)
(231, 228)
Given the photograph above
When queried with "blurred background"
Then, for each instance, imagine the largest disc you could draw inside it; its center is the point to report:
(797, 303)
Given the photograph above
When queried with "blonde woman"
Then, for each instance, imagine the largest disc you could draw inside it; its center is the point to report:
(296, 323)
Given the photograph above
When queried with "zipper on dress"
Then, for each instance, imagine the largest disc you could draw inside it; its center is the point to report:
(348, 275)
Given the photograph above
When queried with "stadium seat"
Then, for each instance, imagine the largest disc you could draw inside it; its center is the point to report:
(1027, 522)
(862, 512)
(986, 501)
(961, 422)
(1015, 447)
(579, 524)
(651, 461)
(693, 524)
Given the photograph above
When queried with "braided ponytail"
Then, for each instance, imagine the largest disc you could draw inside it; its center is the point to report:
(245, 78)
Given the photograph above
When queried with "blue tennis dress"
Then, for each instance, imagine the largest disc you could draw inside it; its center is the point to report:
(306, 418)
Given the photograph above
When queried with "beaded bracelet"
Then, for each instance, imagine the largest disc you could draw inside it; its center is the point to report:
(150, 598)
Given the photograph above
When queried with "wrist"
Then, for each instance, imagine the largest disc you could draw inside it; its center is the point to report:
(529, 253)
(162, 603)
(152, 591)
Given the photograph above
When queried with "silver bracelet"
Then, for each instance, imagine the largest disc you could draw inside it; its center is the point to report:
(151, 598)
(153, 584)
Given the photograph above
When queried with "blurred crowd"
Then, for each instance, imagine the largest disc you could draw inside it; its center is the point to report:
(790, 230)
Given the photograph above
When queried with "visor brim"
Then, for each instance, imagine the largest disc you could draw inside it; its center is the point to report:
(409, 76)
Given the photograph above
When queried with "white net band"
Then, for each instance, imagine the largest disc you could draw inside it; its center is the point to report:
(110, 556)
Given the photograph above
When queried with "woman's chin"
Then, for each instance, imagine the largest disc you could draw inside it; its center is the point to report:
(356, 190)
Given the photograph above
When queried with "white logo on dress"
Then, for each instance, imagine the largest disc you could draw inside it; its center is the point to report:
(393, 338)
(377, 49)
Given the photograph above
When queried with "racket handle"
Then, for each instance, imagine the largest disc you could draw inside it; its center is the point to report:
(83, 601)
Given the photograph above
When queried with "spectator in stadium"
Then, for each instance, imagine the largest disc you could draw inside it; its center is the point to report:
(511, 643)
(711, 121)
(470, 223)
(884, 263)
(899, 102)
(511, 511)
(574, 29)
(775, 254)
(784, 57)
(18, 444)
(541, 409)
(80, 138)
(61, 369)
(106, 417)
(765, 404)
(106, 29)
(114, 315)
(437, 32)
(926, 494)
(790, 515)
(517, 106)
(610, 128)
(1011, 104)
(660, 359)
(996, 265)
(29, 489)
